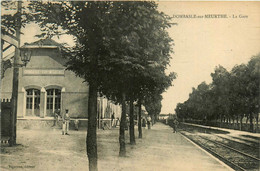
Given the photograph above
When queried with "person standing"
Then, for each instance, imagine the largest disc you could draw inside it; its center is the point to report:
(143, 122)
(113, 120)
(117, 121)
(149, 122)
(56, 116)
(76, 123)
(66, 122)
(175, 125)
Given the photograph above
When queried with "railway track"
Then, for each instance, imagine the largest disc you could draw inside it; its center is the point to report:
(245, 146)
(248, 142)
(232, 156)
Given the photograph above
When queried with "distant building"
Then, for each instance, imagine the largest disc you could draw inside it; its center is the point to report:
(45, 86)
(164, 116)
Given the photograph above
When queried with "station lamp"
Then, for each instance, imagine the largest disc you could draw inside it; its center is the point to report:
(25, 54)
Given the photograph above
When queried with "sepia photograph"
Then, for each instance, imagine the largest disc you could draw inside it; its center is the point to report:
(159, 85)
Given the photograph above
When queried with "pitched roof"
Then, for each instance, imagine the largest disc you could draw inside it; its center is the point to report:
(42, 43)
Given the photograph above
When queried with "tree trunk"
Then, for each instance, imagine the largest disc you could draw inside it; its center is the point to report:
(241, 122)
(132, 124)
(140, 135)
(91, 140)
(234, 124)
(156, 118)
(122, 151)
(251, 122)
(257, 117)
(237, 127)
(221, 120)
(247, 119)
(151, 119)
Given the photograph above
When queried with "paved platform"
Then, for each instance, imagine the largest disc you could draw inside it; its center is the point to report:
(232, 131)
(242, 135)
(161, 149)
(158, 150)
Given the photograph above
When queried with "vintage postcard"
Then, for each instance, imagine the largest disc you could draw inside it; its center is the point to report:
(130, 85)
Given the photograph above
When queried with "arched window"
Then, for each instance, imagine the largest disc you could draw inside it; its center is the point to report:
(33, 97)
(53, 101)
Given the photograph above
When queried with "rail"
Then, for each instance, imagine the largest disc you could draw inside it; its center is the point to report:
(234, 164)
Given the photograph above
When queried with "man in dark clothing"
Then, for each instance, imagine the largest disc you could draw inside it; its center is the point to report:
(113, 120)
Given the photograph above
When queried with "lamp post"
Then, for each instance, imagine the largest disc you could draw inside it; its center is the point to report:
(12, 140)
(25, 55)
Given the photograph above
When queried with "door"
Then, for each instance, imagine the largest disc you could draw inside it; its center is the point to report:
(53, 101)
(33, 102)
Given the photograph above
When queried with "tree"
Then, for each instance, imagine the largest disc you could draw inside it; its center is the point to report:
(114, 42)
(253, 89)
(201, 101)
(139, 104)
(221, 87)
(230, 96)
(139, 57)
(153, 105)
(85, 21)
(238, 88)
(181, 112)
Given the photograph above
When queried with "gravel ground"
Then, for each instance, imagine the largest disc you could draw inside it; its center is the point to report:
(159, 149)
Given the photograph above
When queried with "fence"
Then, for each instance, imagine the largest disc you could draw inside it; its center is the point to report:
(5, 117)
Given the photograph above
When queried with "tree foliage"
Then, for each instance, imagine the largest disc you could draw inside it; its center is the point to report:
(231, 95)
(10, 20)
(153, 105)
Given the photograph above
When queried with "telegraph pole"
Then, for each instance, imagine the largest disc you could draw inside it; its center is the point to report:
(15, 77)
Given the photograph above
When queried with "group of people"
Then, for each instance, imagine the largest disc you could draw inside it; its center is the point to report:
(114, 122)
(65, 121)
(147, 121)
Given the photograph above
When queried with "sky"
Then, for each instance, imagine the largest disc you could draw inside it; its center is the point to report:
(201, 44)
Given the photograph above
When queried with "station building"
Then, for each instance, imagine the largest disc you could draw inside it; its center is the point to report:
(45, 86)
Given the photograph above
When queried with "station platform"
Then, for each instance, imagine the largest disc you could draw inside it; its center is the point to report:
(161, 149)
(235, 135)
(227, 130)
